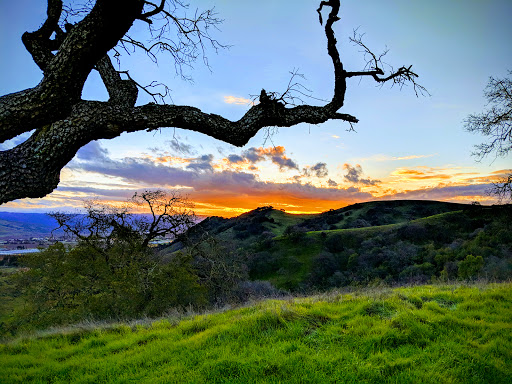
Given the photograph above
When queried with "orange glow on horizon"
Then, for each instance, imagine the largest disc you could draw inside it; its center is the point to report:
(217, 206)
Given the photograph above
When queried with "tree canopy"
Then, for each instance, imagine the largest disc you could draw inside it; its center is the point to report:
(75, 40)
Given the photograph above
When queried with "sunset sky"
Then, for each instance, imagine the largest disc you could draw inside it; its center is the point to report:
(404, 147)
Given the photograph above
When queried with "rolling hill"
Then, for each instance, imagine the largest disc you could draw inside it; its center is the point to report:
(25, 225)
(388, 241)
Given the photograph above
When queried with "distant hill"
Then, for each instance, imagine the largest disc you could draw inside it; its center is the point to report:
(269, 222)
(25, 225)
(389, 241)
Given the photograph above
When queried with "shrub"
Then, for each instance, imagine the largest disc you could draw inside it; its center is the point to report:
(497, 269)
(324, 265)
(417, 273)
(262, 263)
(294, 233)
(470, 266)
(334, 243)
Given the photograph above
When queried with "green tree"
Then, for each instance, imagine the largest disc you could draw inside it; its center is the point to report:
(470, 266)
(220, 268)
(112, 272)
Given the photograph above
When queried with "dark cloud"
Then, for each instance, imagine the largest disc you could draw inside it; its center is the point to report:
(92, 151)
(253, 155)
(138, 170)
(332, 183)
(275, 154)
(451, 192)
(354, 175)
(235, 159)
(202, 163)
(181, 147)
(318, 170)
(284, 162)
(200, 184)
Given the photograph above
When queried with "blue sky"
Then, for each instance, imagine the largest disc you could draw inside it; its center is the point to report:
(404, 146)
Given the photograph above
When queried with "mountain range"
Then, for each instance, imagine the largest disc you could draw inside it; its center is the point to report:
(25, 225)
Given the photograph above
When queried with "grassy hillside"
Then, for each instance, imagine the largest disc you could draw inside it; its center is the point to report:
(423, 334)
(378, 213)
(248, 227)
(469, 243)
(265, 222)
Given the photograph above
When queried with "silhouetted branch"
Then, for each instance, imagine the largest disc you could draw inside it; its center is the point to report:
(39, 43)
(293, 95)
(63, 122)
(496, 121)
(374, 68)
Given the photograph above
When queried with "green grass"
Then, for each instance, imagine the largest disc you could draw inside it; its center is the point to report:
(424, 334)
(283, 220)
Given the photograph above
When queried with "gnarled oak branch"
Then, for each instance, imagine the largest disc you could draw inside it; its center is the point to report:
(63, 123)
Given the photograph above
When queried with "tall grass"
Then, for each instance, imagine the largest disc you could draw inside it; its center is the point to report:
(423, 334)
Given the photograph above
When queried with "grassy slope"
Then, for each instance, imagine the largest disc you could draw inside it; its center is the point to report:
(377, 213)
(425, 334)
(294, 259)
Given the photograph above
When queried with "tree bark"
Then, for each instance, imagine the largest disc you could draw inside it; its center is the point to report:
(64, 123)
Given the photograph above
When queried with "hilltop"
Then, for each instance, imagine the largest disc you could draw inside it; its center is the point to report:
(266, 221)
(391, 241)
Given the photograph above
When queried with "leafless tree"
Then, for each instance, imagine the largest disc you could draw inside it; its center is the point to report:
(496, 124)
(103, 226)
(75, 40)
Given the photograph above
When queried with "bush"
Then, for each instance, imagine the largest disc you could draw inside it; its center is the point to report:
(262, 263)
(417, 273)
(63, 285)
(470, 266)
(497, 269)
(294, 233)
(334, 243)
(324, 265)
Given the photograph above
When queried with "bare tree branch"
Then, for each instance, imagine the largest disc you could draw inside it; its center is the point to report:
(294, 94)
(503, 189)
(375, 64)
(156, 10)
(104, 226)
(65, 74)
(64, 123)
(122, 92)
(496, 121)
(496, 124)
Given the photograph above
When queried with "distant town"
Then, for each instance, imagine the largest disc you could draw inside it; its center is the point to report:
(11, 248)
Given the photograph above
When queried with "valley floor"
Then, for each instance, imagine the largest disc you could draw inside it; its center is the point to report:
(422, 334)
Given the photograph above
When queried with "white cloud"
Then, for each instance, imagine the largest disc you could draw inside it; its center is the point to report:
(237, 100)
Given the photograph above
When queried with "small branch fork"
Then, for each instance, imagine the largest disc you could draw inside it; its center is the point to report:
(39, 43)
(374, 68)
(64, 123)
(294, 94)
